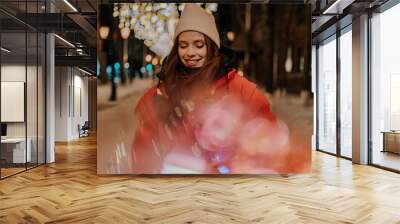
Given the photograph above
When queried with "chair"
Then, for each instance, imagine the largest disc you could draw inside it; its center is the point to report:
(84, 130)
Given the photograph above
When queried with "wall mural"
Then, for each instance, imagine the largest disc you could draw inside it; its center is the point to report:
(204, 88)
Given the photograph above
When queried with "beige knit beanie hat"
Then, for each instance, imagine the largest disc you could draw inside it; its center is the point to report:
(195, 18)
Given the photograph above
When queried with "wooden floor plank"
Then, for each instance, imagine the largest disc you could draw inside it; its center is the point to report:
(70, 191)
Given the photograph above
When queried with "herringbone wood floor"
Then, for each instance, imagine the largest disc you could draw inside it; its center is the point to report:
(69, 191)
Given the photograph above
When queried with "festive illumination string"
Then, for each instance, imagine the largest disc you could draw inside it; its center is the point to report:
(154, 23)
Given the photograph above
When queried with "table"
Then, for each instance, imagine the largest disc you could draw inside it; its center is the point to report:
(391, 141)
(13, 150)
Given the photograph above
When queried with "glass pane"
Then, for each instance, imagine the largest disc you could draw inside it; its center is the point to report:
(13, 86)
(31, 100)
(41, 99)
(327, 96)
(22, 63)
(385, 90)
(32, 84)
(346, 94)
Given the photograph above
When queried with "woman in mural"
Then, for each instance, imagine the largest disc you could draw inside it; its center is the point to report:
(203, 117)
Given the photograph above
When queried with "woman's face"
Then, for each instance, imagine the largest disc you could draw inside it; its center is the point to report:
(192, 49)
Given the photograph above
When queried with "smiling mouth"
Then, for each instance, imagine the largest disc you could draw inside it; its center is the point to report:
(192, 60)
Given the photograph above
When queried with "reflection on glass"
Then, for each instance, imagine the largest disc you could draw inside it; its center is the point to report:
(327, 96)
(41, 99)
(346, 94)
(385, 92)
(14, 153)
(22, 90)
(31, 101)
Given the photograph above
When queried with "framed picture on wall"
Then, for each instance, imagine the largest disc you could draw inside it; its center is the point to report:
(12, 101)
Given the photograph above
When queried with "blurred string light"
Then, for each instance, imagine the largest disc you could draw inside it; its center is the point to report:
(143, 70)
(148, 58)
(149, 67)
(104, 31)
(117, 66)
(154, 23)
(117, 79)
(289, 60)
(154, 61)
(231, 36)
(125, 33)
(98, 67)
(109, 71)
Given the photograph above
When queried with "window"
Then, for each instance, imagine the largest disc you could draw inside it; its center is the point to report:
(327, 95)
(385, 88)
(346, 92)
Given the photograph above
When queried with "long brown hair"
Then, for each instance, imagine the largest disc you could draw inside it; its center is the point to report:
(175, 85)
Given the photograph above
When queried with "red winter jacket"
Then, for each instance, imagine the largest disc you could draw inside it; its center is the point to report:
(153, 140)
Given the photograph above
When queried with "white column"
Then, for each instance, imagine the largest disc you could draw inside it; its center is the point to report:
(50, 100)
(360, 90)
(50, 92)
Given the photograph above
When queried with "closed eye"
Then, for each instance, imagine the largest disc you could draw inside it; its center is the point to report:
(199, 44)
(183, 45)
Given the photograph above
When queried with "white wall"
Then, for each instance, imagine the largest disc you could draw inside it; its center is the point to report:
(62, 81)
(33, 127)
(80, 110)
(12, 73)
(71, 94)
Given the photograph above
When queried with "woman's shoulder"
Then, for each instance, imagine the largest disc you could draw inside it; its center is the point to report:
(238, 84)
(146, 98)
(248, 91)
(241, 81)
